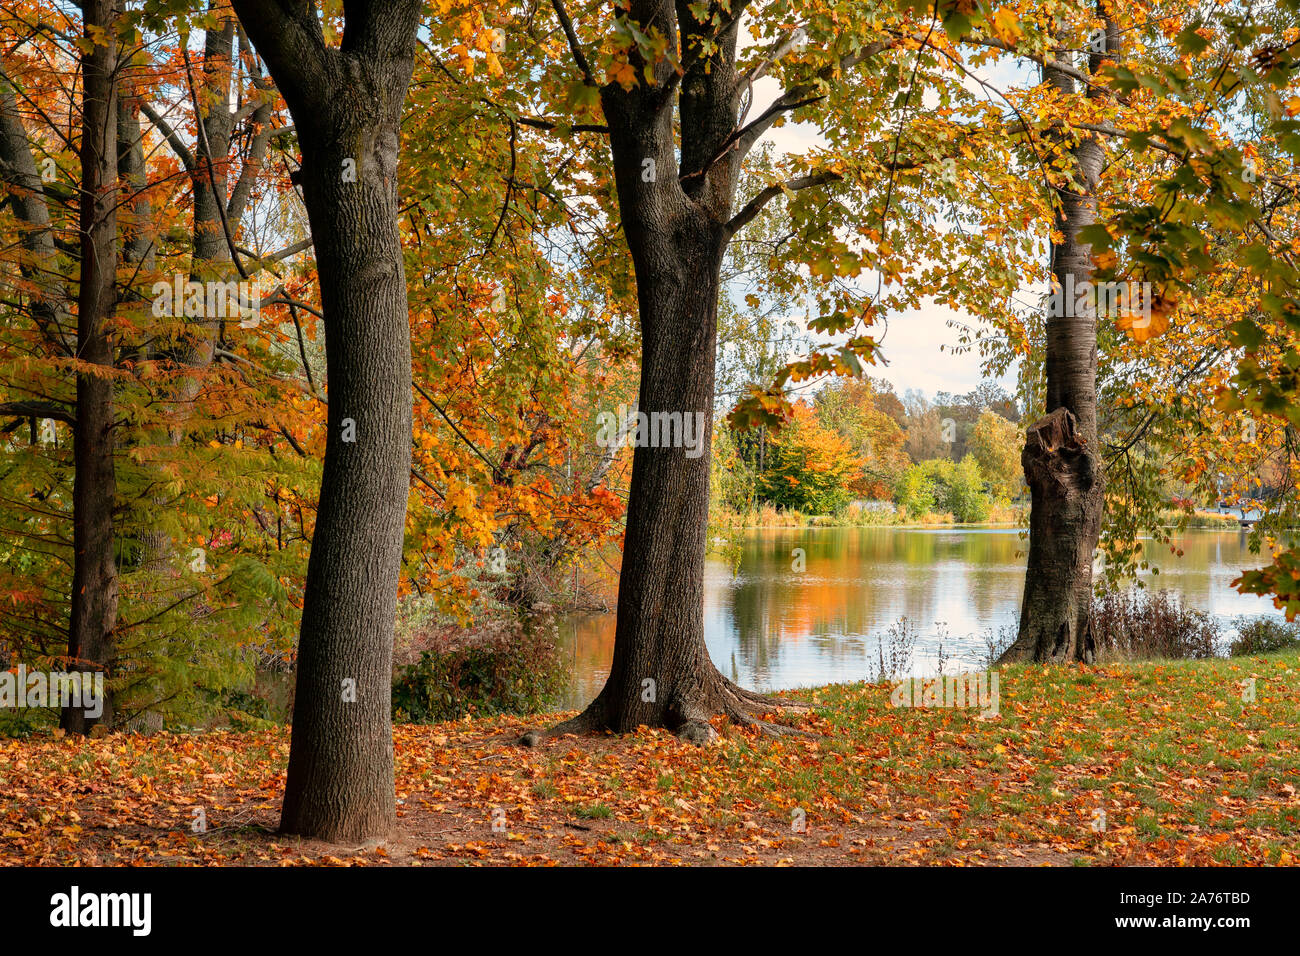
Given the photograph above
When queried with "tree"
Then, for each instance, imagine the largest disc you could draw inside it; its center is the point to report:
(347, 105)
(888, 402)
(850, 407)
(220, 425)
(914, 492)
(955, 488)
(94, 576)
(995, 444)
(927, 435)
(1063, 466)
(96, 502)
(964, 494)
(810, 467)
(1218, 227)
(676, 103)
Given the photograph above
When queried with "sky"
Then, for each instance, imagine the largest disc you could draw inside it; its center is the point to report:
(918, 344)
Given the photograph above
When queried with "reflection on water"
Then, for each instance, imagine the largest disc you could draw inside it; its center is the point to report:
(770, 627)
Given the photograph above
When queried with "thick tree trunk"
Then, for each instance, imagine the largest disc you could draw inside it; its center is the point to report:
(1066, 490)
(341, 764)
(94, 575)
(347, 106)
(1063, 467)
(677, 229)
(661, 674)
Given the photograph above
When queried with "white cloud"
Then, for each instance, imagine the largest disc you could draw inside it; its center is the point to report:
(919, 343)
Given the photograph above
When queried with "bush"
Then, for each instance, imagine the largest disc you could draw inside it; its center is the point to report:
(1264, 634)
(965, 496)
(1143, 624)
(914, 492)
(513, 671)
(941, 485)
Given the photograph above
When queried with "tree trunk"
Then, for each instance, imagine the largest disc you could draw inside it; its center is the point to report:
(347, 105)
(1063, 467)
(49, 300)
(1066, 489)
(661, 674)
(677, 228)
(94, 575)
(211, 252)
(216, 209)
(210, 259)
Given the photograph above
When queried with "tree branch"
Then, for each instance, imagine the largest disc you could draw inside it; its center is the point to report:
(288, 38)
(755, 205)
(1044, 61)
(173, 139)
(575, 47)
(38, 410)
(797, 96)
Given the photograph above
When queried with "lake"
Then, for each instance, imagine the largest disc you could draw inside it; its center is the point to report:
(769, 626)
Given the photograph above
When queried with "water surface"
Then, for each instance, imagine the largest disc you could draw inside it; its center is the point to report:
(770, 626)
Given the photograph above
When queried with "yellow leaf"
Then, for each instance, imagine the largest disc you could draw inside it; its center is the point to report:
(1006, 26)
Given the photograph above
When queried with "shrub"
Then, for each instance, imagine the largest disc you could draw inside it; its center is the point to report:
(895, 648)
(914, 492)
(1143, 624)
(965, 496)
(946, 487)
(1264, 634)
(504, 671)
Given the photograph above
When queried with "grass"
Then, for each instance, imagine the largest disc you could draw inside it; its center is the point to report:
(1174, 756)
(876, 514)
(885, 514)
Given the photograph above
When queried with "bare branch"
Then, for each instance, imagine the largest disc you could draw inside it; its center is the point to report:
(173, 139)
(780, 49)
(38, 410)
(575, 47)
(797, 96)
(755, 205)
(285, 253)
(1045, 61)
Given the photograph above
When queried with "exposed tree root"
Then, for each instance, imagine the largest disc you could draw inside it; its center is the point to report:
(585, 723)
(763, 701)
(742, 706)
(690, 717)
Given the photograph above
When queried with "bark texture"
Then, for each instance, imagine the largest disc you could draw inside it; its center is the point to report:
(28, 199)
(1066, 486)
(1063, 467)
(94, 574)
(347, 105)
(677, 222)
